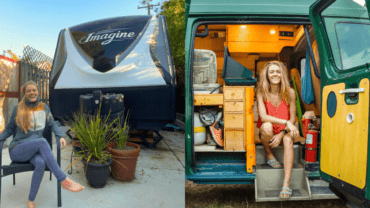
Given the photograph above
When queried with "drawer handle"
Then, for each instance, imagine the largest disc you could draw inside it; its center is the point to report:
(233, 93)
(234, 103)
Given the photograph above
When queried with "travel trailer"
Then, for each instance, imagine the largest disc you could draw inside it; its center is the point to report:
(128, 55)
(325, 42)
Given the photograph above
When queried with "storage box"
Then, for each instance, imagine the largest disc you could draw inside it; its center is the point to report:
(206, 88)
(204, 67)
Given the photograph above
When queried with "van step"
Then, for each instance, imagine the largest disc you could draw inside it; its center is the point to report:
(269, 181)
(320, 190)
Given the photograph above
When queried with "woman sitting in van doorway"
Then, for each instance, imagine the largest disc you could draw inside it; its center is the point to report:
(277, 113)
(29, 145)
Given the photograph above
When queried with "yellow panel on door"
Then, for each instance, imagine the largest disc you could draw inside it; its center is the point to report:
(343, 144)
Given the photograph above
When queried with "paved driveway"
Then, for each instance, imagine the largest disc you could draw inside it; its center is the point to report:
(159, 181)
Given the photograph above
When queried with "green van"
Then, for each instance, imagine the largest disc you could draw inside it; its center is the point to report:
(227, 43)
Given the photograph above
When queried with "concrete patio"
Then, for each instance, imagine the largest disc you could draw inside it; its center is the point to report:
(159, 181)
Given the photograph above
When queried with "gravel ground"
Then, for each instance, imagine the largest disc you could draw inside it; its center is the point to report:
(227, 196)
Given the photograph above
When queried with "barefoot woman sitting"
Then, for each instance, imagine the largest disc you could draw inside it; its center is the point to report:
(277, 113)
(28, 121)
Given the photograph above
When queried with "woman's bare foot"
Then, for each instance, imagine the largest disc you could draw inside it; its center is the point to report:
(30, 204)
(70, 185)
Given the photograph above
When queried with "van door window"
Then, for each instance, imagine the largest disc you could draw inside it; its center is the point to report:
(348, 38)
(354, 44)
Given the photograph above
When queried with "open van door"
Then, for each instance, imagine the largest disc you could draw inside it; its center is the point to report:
(187, 7)
(343, 37)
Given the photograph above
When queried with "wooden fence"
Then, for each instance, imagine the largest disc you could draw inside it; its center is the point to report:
(40, 76)
(23, 73)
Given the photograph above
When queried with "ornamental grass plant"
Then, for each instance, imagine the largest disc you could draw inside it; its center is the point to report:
(95, 133)
(122, 132)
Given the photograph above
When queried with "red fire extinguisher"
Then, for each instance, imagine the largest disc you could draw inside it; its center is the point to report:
(311, 145)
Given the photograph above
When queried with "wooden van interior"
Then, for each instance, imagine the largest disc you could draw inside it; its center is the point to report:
(254, 45)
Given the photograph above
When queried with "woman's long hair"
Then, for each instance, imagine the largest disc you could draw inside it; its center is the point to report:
(23, 118)
(264, 85)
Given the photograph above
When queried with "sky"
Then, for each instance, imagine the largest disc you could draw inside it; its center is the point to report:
(37, 23)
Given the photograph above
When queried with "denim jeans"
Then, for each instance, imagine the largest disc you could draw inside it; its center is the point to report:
(39, 153)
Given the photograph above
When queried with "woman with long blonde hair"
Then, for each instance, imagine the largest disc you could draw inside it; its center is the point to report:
(277, 113)
(27, 122)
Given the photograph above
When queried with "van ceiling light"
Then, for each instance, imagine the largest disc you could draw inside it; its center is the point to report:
(243, 26)
(272, 32)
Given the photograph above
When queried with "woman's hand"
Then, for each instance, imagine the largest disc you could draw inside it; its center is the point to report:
(63, 142)
(293, 129)
(276, 139)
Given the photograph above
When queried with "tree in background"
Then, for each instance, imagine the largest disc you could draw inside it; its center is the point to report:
(174, 10)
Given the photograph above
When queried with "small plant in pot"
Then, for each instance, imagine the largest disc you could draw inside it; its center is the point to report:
(94, 134)
(124, 153)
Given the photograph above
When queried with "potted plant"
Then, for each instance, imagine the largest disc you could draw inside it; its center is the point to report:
(124, 153)
(94, 134)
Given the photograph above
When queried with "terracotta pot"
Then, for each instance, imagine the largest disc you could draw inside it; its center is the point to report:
(97, 174)
(76, 145)
(124, 161)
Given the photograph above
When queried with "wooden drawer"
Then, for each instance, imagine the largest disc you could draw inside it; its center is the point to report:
(234, 140)
(234, 106)
(234, 121)
(233, 93)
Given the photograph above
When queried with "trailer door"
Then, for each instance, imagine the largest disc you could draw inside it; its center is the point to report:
(342, 30)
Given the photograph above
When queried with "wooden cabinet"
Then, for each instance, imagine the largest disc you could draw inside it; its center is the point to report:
(237, 107)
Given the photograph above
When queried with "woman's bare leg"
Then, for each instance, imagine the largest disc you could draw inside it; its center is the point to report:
(267, 133)
(288, 160)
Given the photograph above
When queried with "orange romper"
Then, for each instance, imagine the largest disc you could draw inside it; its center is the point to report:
(282, 112)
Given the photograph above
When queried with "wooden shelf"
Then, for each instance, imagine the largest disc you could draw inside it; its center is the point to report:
(209, 99)
(218, 149)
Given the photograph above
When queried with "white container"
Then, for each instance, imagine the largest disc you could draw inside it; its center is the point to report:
(205, 67)
(199, 130)
(206, 88)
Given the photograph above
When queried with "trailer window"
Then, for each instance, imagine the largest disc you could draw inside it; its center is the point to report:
(354, 44)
